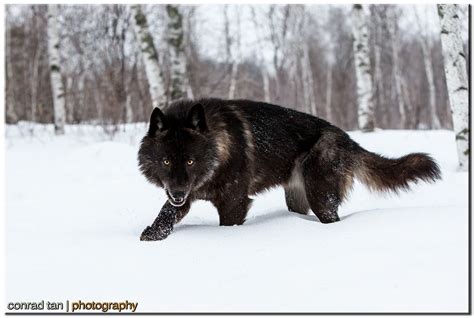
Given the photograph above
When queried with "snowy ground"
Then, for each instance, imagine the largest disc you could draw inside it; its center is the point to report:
(77, 204)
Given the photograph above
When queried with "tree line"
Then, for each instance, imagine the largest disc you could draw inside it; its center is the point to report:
(357, 66)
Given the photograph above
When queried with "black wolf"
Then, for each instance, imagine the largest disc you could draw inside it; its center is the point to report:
(227, 150)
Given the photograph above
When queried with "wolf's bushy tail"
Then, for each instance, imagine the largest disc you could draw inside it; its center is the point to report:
(384, 174)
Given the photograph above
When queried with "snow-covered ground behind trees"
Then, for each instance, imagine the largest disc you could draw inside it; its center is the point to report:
(77, 204)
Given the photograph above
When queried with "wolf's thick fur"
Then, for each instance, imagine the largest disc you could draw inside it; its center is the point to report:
(226, 150)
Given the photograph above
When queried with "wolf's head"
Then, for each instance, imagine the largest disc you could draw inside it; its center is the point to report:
(178, 152)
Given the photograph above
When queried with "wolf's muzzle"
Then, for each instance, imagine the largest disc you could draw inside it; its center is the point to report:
(177, 198)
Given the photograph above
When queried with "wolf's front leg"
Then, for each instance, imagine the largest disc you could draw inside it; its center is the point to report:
(232, 209)
(164, 222)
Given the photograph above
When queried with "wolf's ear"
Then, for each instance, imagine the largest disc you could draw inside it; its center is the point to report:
(196, 118)
(157, 122)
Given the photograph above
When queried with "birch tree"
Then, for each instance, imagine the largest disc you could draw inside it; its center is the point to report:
(126, 81)
(397, 75)
(307, 72)
(278, 18)
(308, 82)
(236, 56)
(360, 32)
(35, 64)
(456, 78)
(328, 102)
(188, 48)
(149, 57)
(128, 88)
(106, 82)
(427, 62)
(175, 40)
(378, 39)
(263, 67)
(10, 115)
(55, 70)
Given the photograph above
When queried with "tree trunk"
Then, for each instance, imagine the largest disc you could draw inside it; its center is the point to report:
(434, 120)
(55, 70)
(235, 58)
(379, 88)
(360, 32)
(308, 83)
(10, 116)
(69, 102)
(188, 51)
(150, 58)
(34, 84)
(233, 78)
(81, 86)
(128, 88)
(456, 78)
(392, 28)
(128, 109)
(174, 38)
(263, 67)
(329, 93)
(309, 98)
(266, 86)
(427, 61)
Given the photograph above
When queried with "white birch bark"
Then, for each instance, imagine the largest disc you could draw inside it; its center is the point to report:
(329, 74)
(308, 83)
(233, 78)
(456, 78)
(55, 70)
(235, 59)
(149, 57)
(379, 89)
(175, 38)
(263, 67)
(360, 32)
(392, 29)
(329, 93)
(187, 52)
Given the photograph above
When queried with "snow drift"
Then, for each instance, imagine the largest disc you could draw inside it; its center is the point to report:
(76, 205)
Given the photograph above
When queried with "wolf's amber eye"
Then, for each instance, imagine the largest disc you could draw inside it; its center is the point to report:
(190, 162)
(166, 162)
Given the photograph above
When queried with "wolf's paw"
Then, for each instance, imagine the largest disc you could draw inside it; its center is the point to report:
(155, 233)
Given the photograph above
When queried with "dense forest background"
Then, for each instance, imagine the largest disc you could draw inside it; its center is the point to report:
(299, 56)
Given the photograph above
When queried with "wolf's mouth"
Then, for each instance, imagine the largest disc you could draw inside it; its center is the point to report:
(176, 202)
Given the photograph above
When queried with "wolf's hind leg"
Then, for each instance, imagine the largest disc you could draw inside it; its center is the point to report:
(295, 193)
(327, 179)
(296, 200)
